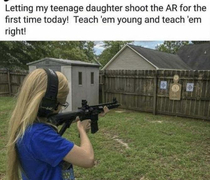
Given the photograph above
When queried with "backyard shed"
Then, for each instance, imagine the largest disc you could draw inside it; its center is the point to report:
(83, 79)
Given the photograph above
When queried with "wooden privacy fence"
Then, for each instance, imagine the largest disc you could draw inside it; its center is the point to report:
(10, 82)
(142, 90)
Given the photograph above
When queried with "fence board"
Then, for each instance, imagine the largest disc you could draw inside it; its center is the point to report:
(10, 82)
(140, 90)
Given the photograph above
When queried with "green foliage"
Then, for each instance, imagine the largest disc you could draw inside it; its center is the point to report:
(6, 105)
(73, 50)
(171, 46)
(16, 54)
(111, 49)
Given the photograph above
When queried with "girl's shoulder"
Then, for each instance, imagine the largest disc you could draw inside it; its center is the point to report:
(39, 127)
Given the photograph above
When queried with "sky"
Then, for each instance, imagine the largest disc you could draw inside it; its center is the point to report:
(147, 44)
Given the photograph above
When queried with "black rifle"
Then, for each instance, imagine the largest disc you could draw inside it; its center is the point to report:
(84, 112)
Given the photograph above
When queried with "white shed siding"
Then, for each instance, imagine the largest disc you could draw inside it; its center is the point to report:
(32, 68)
(86, 91)
(129, 60)
(67, 71)
(70, 69)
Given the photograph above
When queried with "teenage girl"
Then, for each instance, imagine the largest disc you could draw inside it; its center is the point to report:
(34, 147)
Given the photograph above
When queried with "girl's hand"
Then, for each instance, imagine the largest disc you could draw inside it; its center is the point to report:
(83, 125)
(106, 110)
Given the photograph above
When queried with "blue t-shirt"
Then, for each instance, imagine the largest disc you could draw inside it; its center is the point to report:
(41, 151)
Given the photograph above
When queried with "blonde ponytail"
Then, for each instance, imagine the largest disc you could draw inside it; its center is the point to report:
(25, 112)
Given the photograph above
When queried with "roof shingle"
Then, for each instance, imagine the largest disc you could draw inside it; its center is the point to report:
(162, 60)
(197, 56)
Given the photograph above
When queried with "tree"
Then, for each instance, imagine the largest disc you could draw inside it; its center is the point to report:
(16, 54)
(72, 50)
(171, 46)
(111, 48)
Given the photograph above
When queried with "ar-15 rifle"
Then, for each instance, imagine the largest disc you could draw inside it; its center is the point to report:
(84, 112)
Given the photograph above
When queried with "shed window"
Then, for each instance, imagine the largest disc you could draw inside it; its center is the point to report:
(80, 78)
(92, 78)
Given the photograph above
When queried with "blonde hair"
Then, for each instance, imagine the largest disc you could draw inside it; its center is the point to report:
(25, 112)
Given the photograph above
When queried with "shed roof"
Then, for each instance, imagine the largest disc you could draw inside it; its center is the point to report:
(65, 62)
(161, 60)
(197, 56)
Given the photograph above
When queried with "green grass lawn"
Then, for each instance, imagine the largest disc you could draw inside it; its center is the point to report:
(6, 105)
(137, 146)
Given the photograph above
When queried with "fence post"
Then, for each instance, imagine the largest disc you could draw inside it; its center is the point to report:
(9, 82)
(155, 93)
(102, 86)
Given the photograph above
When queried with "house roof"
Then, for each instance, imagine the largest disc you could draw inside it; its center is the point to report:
(197, 56)
(161, 60)
(158, 59)
(65, 62)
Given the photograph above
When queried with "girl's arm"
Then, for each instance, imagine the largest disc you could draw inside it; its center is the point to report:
(82, 155)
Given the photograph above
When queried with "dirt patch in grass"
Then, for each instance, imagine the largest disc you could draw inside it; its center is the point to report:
(117, 139)
(2, 176)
